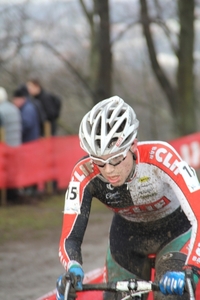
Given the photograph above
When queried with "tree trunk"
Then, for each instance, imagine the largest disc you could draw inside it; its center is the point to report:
(185, 75)
(100, 76)
(168, 89)
(180, 95)
(104, 80)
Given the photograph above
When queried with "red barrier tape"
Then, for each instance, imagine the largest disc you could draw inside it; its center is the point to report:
(39, 161)
(53, 158)
(189, 149)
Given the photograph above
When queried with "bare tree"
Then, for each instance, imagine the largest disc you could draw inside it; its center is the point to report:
(100, 51)
(82, 50)
(180, 94)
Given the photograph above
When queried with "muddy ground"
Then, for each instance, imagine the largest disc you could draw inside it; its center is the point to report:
(29, 267)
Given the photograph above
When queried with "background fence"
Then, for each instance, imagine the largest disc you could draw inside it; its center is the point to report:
(53, 158)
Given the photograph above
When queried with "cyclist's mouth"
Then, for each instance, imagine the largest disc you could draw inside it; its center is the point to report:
(113, 179)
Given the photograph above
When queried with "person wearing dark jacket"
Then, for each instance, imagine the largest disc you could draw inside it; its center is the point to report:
(30, 125)
(29, 115)
(50, 102)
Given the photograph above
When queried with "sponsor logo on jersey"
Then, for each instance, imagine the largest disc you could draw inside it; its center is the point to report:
(137, 209)
(83, 171)
(143, 179)
(109, 186)
(165, 157)
(62, 259)
(197, 258)
(112, 196)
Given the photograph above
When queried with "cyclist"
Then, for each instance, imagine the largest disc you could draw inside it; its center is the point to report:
(153, 193)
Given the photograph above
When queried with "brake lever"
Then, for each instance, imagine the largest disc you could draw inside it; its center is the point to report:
(67, 289)
(70, 286)
(189, 285)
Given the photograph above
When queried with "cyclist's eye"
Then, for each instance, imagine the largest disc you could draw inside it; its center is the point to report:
(98, 162)
(116, 159)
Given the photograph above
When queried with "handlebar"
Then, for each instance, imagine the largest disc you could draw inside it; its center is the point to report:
(123, 286)
(132, 287)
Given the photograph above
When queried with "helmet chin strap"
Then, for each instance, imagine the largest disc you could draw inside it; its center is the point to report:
(130, 176)
(134, 156)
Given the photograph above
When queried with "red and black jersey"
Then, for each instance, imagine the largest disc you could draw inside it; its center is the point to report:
(161, 183)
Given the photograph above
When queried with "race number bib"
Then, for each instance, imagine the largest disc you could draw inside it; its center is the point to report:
(189, 176)
(72, 199)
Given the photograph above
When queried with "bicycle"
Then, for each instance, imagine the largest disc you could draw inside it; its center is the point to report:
(132, 288)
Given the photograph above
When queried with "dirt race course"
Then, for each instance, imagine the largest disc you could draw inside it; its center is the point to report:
(29, 268)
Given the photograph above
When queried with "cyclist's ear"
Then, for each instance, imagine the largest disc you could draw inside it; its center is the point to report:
(134, 146)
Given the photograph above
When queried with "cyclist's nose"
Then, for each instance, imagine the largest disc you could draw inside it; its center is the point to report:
(108, 168)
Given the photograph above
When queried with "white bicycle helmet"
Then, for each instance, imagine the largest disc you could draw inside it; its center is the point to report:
(110, 126)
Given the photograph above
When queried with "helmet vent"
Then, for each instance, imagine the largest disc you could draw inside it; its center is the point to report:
(109, 127)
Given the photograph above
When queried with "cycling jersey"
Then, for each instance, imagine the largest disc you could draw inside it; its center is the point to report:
(160, 184)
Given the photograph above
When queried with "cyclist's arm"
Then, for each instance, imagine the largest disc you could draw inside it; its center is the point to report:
(78, 200)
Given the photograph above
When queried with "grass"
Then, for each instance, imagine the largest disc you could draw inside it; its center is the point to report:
(23, 219)
(17, 221)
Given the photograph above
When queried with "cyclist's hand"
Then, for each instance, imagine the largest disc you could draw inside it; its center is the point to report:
(77, 271)
(172, 283)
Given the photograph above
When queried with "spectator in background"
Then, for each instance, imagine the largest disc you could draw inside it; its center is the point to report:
(29, 115)
(50, 102)
(30, 125)
(11, 123)
(39, 108)
(10, 120)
